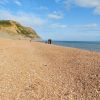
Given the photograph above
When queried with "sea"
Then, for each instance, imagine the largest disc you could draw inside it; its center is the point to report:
(91, 45)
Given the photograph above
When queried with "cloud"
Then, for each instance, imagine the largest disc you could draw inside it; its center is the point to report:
(55, 15)
(88, 3)
(58, 26)
(95, 4)
(5, 2)
(67, 3)
(97, 11)
(89, 26)
(29, 19)
(17, 2)
(82, 27)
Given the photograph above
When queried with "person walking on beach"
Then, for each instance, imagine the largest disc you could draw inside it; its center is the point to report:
(49, 41)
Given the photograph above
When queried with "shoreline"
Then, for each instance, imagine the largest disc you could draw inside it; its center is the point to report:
(90, 46)
(70, 47)
(26, 39)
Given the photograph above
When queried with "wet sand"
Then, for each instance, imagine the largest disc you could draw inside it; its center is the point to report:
(39, 71)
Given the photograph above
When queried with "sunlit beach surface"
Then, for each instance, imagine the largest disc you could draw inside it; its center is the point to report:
(39, 71)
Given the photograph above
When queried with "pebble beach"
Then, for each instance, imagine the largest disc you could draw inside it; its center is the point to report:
(39, 71)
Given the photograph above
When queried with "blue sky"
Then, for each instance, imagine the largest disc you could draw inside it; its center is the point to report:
(71, 20)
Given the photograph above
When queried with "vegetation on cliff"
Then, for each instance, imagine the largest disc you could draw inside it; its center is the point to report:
(14, 28)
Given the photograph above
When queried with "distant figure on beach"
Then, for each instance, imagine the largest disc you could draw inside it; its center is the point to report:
(30, 40)
(46, 42)
(49, 41)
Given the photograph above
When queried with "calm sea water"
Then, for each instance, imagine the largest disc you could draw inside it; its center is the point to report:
(92, 46)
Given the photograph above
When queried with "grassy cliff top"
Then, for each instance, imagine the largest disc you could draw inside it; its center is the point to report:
(18, 28)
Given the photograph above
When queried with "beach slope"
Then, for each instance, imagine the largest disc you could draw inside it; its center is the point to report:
(38, 71)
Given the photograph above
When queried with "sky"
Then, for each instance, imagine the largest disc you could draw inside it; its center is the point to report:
(67, 20)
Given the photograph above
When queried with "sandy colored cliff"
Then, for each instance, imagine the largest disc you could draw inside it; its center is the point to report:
(13, 29)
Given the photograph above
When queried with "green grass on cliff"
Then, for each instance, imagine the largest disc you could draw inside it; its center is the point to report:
(21, 30)
(24, 31)
(5, 23)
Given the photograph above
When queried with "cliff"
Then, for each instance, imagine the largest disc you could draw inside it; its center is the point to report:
(10, 28)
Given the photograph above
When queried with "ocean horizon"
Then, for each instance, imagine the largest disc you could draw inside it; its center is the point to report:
(85, 45)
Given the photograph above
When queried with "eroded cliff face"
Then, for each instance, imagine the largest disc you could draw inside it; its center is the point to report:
(9, 28)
